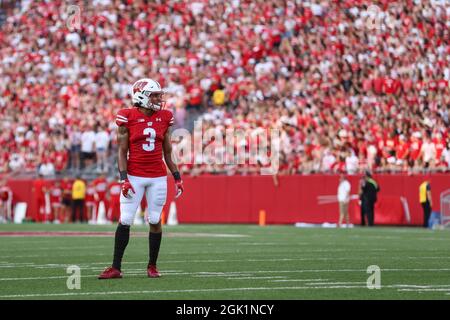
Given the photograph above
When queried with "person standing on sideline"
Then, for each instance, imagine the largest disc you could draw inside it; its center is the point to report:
(55, 192)
(75, 147)
(66, 186)
(78, 195)
(144, 151)
(425, 201)
(113, 199)
(6, 196)
(101, 145)
(368, 190)
(87, 146)
(343, 196)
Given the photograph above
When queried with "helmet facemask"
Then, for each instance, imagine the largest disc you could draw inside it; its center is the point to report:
(155, 100)
(147, 93)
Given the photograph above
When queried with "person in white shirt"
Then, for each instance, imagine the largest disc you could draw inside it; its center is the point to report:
(351, 163)
(328, 161)
(343, 196)
(75, 147)
(87, 146)
(46, 168)
(446, 156)
(428, 153)
(102, 144)
(17, 162)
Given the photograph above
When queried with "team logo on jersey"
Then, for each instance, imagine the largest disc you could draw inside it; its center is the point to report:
(149, 123)
(139, 86)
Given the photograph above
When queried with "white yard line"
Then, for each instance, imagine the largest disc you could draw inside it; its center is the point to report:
(51, 249)
(130, 274)
(36, 295)
(168, 291)
(254, 278)
(297, 280)
(50, 266)
(427, 290)
(334, 283)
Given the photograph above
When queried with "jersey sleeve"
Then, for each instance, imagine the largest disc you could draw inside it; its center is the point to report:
(170, 119)
(122, 117)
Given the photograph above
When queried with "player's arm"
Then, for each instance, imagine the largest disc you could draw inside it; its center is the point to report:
(122, 142)
(167, 150)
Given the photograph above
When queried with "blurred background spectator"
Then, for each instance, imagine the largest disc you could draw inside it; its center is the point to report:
(355, 84)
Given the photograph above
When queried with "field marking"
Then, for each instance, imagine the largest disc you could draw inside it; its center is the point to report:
(433, 239)
(5, 264)
(219, 275)
(166, 291)
(334, 283)
(58, 248)
(420, 286)
(222, 260)
(50, 266)
(21, 234)
(427, 290)
(265, 244)
(35, 295)
(249, 274)
(254, 278)
(142, 272)
(297, 280)
(375, 237)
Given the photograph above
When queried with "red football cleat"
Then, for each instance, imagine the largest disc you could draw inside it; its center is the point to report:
(110, 273)
(152, 272)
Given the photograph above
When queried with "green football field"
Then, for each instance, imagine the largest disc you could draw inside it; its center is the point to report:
(208, 262)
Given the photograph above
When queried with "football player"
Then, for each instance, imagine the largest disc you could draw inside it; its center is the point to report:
(143, 135)
(5, 202)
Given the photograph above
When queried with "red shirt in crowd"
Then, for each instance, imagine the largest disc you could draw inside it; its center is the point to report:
(55, 193)
(415, 146)
(114, 192)
(91, 193)
(100, 186)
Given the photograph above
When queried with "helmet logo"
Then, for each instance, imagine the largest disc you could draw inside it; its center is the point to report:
(139, 86)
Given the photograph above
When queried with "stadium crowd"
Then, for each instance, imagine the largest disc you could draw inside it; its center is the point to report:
(351, 85)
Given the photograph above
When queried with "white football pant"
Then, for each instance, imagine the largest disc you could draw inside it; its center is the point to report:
(155, 190)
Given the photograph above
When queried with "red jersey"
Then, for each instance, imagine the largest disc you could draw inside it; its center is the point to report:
(66, 187)
(440, 146)
(60, 160)
(415, 149)
(90, 193)
(401, 150)
(114, 192)
(391, 86)
(5, 193)
(39, 186)
(55, 194)
(146, 136)
(100, 185)
(195, 94)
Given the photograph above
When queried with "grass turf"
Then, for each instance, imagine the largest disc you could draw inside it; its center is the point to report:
(209, 262)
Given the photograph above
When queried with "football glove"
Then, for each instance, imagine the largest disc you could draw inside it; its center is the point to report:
(127, 189)
(178, 188)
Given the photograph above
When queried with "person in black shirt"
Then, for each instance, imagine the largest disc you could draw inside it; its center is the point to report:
(368, 195)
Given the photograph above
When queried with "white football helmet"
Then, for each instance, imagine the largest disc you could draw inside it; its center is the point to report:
(147, 93)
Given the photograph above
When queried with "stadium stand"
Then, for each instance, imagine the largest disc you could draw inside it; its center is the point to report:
(350, 84)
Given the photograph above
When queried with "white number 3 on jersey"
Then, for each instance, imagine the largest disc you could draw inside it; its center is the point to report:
(150, 146)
